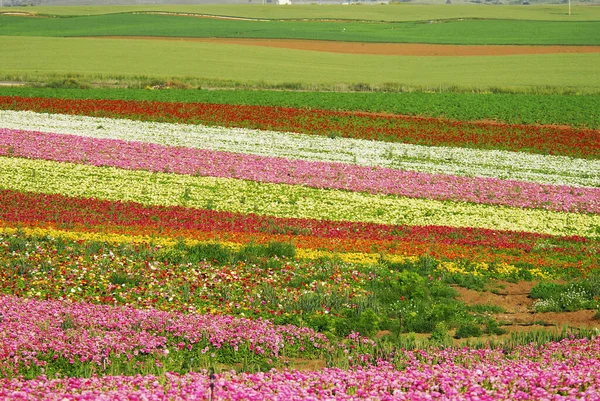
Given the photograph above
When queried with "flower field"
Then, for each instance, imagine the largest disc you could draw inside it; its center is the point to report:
(143, 244)
(549, 372)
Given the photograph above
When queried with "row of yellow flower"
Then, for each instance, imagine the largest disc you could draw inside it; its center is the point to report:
(477, 269)
(280, 200)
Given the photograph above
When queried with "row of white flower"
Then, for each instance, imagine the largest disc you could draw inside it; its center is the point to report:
(439, 159)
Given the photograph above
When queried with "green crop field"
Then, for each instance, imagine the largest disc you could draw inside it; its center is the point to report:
(572, 110)
(485, 32)
(395, 12)
(31, 51)
(104, 58)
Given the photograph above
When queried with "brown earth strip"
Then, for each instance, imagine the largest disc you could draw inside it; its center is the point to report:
(514, 299)
(386, 49)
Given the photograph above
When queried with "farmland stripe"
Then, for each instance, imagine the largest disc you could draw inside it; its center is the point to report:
(375, 180)
(357, 251)
(505, 165)
(301, 253)
(279, 200)
(128, 218)
(390, 128)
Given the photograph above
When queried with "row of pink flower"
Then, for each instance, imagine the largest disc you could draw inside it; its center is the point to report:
(378, 180)
(567, 370)
(94, 333)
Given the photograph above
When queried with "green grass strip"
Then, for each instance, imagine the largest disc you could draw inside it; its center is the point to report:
(466, 32)
(572, 110)
(279, 200)
(393, 12)
(106, 58)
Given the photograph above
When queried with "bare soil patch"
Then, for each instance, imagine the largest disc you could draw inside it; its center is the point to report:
(519, 314)
(387, 49)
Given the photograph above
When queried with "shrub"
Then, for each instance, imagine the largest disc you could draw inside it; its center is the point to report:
(320, 323)
(491, 327)
(565, 297)
(468, 329)
(440, 334)
(368, 323)
(546, 290)
(215, 253)
(281, 249)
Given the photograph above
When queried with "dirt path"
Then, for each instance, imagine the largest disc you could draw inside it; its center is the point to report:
(387, 49)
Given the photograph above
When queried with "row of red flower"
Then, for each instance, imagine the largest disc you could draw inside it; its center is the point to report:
(417, 130)
(57, 211)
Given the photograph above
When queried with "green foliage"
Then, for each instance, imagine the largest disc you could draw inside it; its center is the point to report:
(68, 83)
(256, 253)
(469, 281)
(545, 290)
(343, 327)
(281, 249)
(492, 327)
(321, 323)
(440, 335)
(541, 337)
(221, 255)
(215, 253)
(468, 329)
(485, 308)
(67, 323)
(119, 278)
(451, 32)
(554, 297)
(368, 323)
(541, 108)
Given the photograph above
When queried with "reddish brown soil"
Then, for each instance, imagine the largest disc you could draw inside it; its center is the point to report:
(387, 49)
(519, 315)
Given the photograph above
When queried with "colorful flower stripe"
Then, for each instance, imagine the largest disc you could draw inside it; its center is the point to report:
(152, 157)
(144, 276)
(279, 200)
(27, 208)
(351, 251)
(417, 130)
(154, 223)
(434, 160)
(33, 330)
(362, 258)
(568, 370)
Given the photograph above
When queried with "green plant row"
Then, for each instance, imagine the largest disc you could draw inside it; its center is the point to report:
(562, 109)
(488, 32)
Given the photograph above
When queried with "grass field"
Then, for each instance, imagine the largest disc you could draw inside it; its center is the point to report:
(104, 58)
(135, 62)
(396, 12)
(483, 32)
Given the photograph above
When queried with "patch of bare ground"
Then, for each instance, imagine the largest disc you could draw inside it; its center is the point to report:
(518, 315)
(387, 49)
